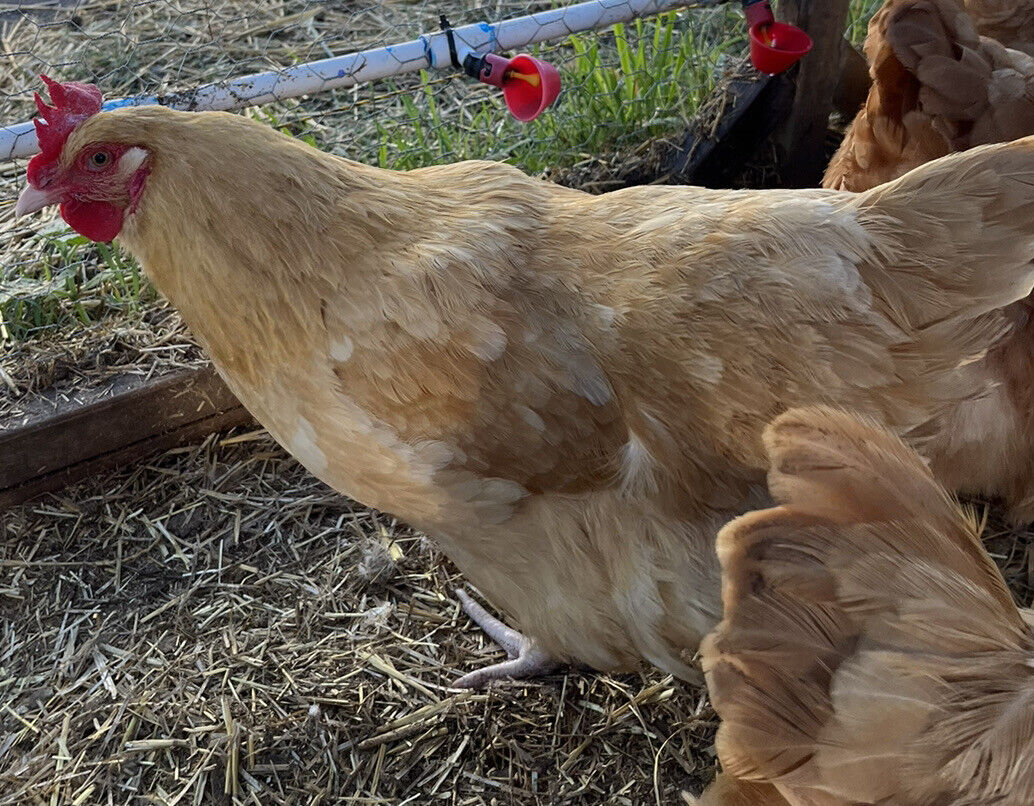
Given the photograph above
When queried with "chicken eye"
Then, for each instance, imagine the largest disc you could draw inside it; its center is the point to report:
(100, 159)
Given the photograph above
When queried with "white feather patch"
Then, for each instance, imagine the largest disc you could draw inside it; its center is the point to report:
(531, 417)
(131, 160)
(488, 341)
(341, 349)
(708, 368)
(303, 447)
(637, 471)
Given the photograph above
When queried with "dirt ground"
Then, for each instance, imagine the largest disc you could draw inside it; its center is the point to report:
(217, 626)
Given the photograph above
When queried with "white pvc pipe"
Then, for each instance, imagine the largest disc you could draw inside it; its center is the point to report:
(429, 51)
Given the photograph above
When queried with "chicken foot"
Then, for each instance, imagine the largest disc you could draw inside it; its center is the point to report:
(526, 658)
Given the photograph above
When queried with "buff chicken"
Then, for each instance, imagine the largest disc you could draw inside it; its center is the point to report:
(566, 391)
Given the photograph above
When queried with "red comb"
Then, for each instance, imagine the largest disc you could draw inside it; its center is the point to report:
(73, 103)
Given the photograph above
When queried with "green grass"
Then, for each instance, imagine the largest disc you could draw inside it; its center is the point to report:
(858, 15)
(69, 282)
(621, 87)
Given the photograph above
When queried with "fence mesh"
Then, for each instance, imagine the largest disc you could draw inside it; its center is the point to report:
(637, 77)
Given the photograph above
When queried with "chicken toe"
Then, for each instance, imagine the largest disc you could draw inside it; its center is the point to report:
(526, 658)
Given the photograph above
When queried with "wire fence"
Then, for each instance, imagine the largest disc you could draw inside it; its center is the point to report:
(618, 83)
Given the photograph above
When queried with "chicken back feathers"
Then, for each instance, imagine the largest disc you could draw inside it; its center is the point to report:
(566, 390)
(1010, 22)
(937, 87)
(870, 652)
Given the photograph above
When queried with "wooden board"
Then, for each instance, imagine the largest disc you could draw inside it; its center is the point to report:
(704, 136)
(62, 441)
(752, 108)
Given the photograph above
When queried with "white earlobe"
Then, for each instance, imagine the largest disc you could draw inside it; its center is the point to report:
(131, 160)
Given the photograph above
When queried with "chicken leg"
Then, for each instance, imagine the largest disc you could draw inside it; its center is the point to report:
(526, 658)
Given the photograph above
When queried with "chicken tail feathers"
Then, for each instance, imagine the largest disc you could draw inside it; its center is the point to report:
(972, 90)
(927, 60)
(846, 469)
(957, 242)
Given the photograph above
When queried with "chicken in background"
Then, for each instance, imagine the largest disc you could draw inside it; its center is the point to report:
(1009, 22)
(871, 652)
(937, 88)
(566, 391)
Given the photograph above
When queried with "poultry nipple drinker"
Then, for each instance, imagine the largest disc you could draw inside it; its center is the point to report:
(774, 46)
(529, 85)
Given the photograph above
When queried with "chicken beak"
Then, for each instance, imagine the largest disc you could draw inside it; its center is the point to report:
(32, 199)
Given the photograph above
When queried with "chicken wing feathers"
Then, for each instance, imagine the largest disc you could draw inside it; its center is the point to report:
(1010, 22)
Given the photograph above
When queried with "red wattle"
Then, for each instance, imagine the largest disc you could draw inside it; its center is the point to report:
(97, 220)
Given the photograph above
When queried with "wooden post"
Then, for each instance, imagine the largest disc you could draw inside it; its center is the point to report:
(800, 140)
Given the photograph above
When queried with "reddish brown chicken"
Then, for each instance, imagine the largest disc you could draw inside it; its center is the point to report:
(567, 391)
(871, 652)
(937, 87)
(1010, 22)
